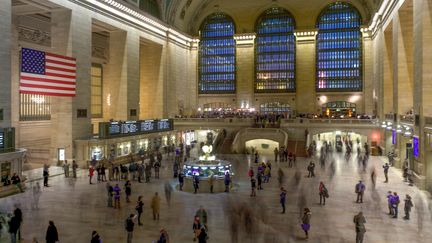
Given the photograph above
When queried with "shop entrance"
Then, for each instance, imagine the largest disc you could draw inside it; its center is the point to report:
(263, 146)
(339, 109)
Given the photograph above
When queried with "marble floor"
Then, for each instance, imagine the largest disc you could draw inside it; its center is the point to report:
(78, 208)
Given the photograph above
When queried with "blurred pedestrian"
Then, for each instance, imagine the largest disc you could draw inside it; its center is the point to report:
(306, 221)
(51, 234)
(155, 206)
(407, 207)
(359, 221)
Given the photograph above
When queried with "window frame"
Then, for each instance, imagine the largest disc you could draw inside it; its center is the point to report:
(96, 115)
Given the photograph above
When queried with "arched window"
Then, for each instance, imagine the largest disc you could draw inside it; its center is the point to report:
(275, 52)
(151, 7)
(217, 72)
(339, 49)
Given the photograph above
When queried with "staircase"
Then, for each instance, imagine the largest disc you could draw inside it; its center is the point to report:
(225, 147)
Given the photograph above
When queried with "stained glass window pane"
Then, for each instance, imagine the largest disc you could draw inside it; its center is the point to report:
(275, 52)
(339, 49)
(217, 72)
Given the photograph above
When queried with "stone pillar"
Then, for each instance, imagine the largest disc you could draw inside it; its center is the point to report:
(368, 99)
(306, 74)
(387, 88)
(378, 46)
(71, 36)
(245, 70)
(192, 80)
(133, 74)
(5, 62)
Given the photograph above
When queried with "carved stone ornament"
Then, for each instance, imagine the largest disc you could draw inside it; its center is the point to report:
(34, 35)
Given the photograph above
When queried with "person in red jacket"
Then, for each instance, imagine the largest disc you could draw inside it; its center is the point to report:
(91, 173)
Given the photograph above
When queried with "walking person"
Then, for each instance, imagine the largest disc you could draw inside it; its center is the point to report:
(66, 169)
(110, 191)
(407, 207)
(386, 169)
(259, 179)
(227, 181)
(201, 214)
(74, 169)
(128, 190)
(360, 189)
(196, 182)
(51, 234)
(359, 221)
(139, 208)
(14, 225)
(181, 180)
(306, 221)
(168, 190)
(281, 177)
(157, 166)
(276, 153)
(116, 192)
(253, 187)
(155, 205)
(389, 202)
(211, 182)
(45, 174)
(323, 193)
(91, 173)
(395, 204)
(19, 217)
(311, 169)
(129, 226)
(282, 198)
(36, 195)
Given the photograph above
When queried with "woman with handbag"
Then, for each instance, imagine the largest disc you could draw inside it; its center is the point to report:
(306, 221)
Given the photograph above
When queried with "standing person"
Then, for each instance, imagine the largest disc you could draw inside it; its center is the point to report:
(91, 173)
(359, 221)
(276, 153)
(202, 237)
(117, 194)
(386, 169)
(227, 181)
(253, 187)
(282, 198)
(359, 189)
(259, 179)
(110, 191)
(306, 221)
(196, 227)
(311, 168)
(290, 160)
(36, 195)
(201, 214)
(395, 204)
(323, 193)
(389, 202)
(196, 183)
(128, 190)
(66, 168)
(74, 169)
(129, 226)
(155, 205)
(51, 234)
(45, 174)
(139, 209)
(157, 166)
(407, 207)
(267, 174)
(181, 181)
(211, 182)
(256, 157)
(103, 172)
(19, 217)
(95, 237)
(163, 236)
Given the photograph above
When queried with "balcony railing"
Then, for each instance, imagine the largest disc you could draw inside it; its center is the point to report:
(406, 118)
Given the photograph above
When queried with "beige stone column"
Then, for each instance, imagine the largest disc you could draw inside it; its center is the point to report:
(71, 36)
(306, 74)
(387, 88)
(378, 46)
(245, 56)
(5, 62)
(368, 99)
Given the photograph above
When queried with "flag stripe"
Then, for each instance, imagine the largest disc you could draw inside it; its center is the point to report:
(46, 93)
(49, 70)
(72, 69)
(59, 69)
(34, 76)
(59, 75)
(45, 80)
(48, 84)
(59, 56)
(62, 63)
(47, 90)
(48, 59)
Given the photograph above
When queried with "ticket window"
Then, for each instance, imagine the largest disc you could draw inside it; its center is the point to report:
(123, 149)
(143, 144)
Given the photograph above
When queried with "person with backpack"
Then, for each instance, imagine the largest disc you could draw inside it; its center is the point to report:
(395, 204)
(323, 193)
(129, 226)
(139, 209)
(360, 189)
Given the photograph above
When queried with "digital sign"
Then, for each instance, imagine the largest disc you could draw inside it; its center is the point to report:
(1, 140)
(416, 146)
(125, 128)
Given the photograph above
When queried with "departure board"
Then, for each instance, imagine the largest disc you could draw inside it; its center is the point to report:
(125, 128)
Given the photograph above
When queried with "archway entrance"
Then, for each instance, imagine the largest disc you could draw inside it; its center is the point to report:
(338, 109)
(263, 146)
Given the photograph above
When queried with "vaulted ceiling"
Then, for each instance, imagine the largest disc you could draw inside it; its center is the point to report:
(187, 15)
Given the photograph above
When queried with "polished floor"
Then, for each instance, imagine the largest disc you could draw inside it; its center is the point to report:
(78, 208)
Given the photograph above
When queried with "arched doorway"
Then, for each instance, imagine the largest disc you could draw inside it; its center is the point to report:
(263, 146)
(339, 109)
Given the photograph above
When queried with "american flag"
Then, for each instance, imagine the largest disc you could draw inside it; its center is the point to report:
(45, 73)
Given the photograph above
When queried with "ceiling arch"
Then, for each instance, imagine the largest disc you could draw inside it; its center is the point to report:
(187, 15)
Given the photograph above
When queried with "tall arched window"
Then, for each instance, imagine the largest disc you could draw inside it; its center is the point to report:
(339, 49)
(275, 52)
(217, 72)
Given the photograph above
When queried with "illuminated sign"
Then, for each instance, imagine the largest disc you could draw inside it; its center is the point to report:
(1, 140)
(416, 146)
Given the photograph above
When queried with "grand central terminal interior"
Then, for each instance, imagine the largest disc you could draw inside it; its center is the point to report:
(215, 121)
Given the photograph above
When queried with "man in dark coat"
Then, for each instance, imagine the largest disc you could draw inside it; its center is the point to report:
(359, 221)
(14, 225)
(51, 234)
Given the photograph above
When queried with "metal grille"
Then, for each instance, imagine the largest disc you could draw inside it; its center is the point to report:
(217, 64)
(339, 49)
(35, 107)
(96, 90)
(275, 52)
